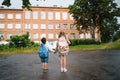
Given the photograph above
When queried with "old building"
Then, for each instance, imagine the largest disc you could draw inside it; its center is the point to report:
(40, 22)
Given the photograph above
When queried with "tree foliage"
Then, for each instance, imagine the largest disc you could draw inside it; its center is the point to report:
(89, 14)
(117, 35)
(111, 27)
(25, 3)
(20, 41)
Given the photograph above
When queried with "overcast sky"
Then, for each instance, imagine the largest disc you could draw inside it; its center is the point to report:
(16, 4)
(48, 3)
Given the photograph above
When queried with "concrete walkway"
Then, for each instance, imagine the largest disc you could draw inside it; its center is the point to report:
(82, 65)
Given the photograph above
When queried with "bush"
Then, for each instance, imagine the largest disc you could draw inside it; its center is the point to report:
(116, 36)
(83, 42)
(20, 41)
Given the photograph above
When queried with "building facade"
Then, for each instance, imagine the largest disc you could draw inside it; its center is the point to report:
(40, 22)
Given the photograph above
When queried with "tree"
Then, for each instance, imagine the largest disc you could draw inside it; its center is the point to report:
(20, 41)
(26, 3)
(111, 27)
(89, 14)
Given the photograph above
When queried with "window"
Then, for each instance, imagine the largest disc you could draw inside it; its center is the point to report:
(1, 36)
(96, 35)
(56, 36)
(72, 35)
(27, 14)
(50, 26)
(9, 35)
(87, 35)
(57, 15)
(2, 16)
(35, 26)
(27, 26)
(43, 15)
(64, 26)
(35, 36)
(35, 15)
(82, 36)
(57, 26)
(64, 15)
(50, 15)
(18, 26)
(10, 26)
(18, 16)
(42, 35)
(67, 35)
(71, 26)
(10, 16)
(2, 26)
(71, 17)
(50, 35)
(18, 34)
(43, 26)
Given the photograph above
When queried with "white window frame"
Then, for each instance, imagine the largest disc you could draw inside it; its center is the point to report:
(81, 36)
(56, 36)
(35, 26)
(9, 35)
(27, 14)
(50, 15)
(50, 35)
(35, 14)
(71, 17)
(96, 35)
(71, 26)
(27, 26)
(35, 35)
(2, 16)
(42, 26)
(50, 26)
(18, 16)
(57, 15)
(57, 26)
(43, 35)
(64, 15)
(10, 16)
(2, 35)
(87, 35)
(18, 26)
(72, 36)
(43, 15)
(65, 26)
(2, 26)
(10, 26)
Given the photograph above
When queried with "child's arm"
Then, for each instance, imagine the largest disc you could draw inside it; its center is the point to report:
(56, 49)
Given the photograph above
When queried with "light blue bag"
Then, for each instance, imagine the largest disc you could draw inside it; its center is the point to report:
(43, 52)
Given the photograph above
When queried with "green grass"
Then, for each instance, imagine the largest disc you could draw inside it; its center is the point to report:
(20, 50)
(87, 47)
(114, 45)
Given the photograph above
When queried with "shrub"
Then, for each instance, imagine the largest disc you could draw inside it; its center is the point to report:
(20, 41)
(83, 42)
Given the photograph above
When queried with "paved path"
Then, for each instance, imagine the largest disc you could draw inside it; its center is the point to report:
(82, 65)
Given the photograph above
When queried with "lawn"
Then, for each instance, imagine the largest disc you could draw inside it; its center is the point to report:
(113, 45)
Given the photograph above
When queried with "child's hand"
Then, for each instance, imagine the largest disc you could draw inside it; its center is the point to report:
(54, 50)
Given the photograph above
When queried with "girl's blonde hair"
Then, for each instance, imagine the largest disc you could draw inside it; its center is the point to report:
(62, 34)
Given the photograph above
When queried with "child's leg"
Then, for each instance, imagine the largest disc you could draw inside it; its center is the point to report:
(45, 65)
(61, 63)
(64, 61)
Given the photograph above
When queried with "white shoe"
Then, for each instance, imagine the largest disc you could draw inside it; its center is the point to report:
(65, 70)
(62, 69)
